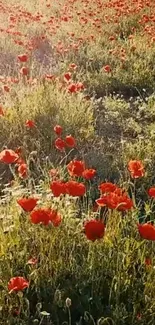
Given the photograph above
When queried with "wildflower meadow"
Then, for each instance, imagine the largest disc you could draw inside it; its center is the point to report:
(77, 162)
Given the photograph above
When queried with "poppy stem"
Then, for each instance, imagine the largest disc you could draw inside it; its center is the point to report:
(65, 157)
(69, 316)
(12, 171)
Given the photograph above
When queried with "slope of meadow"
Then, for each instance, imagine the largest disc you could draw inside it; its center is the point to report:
(77, 159)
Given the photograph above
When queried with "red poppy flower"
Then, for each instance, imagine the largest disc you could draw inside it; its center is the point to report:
(151, 192)
(1, 111)
(107, 68)
(23, 170)
(67, 76)
(139, 316)
(17, 284)
(40, 216)
(32, 261)
(89, 173)
(94, 229)
(148, 261)
(58, 130)
(18, 150)
(76, 168)
(6, 88)
(124, 202)
(75, 189)
(119, 191)
(8, 156)
(112, 38)
(70, 141)
(58, 188)
(147, 231)
(49, 76)
(136, 168)
(28, 204)
(60, 144)
(102, 201)
(55, 218)
(24, 71)
(87, 97)
(72, 88)
(23, 57)
(107, 187)
(114, 201)
(15, 311)
(20, 161)
(30, 124)
(73, 66)
(80, 86)
(45, 216)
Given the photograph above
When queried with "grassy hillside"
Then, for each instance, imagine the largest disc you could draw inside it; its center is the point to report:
(77, 159)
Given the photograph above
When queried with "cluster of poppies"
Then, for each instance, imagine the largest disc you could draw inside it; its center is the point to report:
(92, 19)
(114, 197)
(64, 82)
(111, 196)
(9, 156)
(76, 168)
(24, 70)
(80, 178)
(61, 144)
(40, 215)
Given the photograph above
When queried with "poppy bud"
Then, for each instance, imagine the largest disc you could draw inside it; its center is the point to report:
(68, 302)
